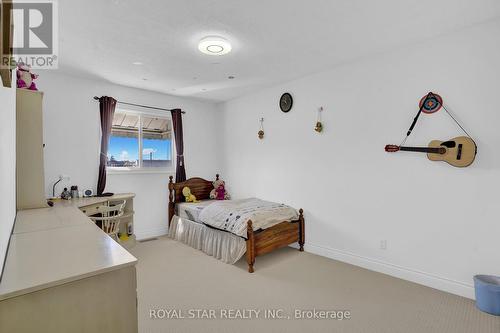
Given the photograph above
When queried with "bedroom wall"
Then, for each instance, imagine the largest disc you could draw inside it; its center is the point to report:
(7, 168)
(440, 222)
(72, 138)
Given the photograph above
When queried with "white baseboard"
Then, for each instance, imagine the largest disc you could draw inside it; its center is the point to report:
(150, 233)
(405, 273)
(426, 279)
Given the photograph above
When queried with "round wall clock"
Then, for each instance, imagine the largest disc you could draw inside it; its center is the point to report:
(286, 102)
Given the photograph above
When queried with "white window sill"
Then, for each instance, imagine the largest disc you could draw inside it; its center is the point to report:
(135, 171)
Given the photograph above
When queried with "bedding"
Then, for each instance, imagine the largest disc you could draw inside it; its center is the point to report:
(233, 215)
(191, 210)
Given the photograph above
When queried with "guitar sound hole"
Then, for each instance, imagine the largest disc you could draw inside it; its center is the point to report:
(449, 144)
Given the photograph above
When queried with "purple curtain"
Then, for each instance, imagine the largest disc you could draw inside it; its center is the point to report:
(180, 170)
(107, 110)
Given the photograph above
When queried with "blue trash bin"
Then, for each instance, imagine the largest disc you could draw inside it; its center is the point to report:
(487, 289)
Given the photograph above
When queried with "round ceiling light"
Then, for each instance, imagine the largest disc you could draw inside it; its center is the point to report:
(214, 45)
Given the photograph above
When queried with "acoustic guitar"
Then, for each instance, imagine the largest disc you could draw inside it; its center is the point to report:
(460, 151)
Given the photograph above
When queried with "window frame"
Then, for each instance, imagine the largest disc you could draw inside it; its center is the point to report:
(140, 168)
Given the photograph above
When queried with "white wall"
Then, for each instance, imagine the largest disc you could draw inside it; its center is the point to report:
(72, 138)
(7, 167)
(441, 223)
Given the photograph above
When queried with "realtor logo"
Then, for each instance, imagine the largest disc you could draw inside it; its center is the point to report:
(34, 38)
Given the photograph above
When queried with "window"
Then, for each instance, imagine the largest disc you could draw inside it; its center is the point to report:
(140, 142)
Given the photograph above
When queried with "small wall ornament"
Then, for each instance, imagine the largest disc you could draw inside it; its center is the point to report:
(319, 125)
(261, 131)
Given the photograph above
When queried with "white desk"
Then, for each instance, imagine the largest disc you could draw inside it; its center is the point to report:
(88, 201)
(59, 259)
(33, 220)
(89, 204)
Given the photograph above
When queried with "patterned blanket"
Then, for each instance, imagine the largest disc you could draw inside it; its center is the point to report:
(233, 215)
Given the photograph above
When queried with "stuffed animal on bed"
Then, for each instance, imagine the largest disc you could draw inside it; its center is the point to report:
(186, 191)
(219, 192)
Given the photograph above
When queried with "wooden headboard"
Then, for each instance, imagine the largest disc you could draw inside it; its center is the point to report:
(200, 187)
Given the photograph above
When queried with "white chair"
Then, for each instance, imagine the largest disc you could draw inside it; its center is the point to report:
(110, 218)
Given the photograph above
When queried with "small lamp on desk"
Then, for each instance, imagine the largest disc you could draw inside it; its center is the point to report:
(61, 177)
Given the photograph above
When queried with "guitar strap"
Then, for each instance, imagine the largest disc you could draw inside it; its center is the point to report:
(430, 95)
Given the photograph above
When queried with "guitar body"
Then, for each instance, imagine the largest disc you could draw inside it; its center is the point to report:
(460, 151)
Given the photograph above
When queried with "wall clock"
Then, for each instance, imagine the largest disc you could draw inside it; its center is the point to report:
(286, 102)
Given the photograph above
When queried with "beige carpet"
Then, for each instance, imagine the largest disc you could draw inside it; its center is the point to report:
(173, 276)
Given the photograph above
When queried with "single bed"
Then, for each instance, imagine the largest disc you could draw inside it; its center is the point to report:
(255, 242)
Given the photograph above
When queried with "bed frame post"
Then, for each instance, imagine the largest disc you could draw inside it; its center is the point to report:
(171, 205)
(250, 247)
(217, 177)
(302, 237)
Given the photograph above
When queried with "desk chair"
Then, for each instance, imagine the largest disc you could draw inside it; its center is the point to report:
(110, 218)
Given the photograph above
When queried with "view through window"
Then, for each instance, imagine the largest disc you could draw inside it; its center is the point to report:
(140, 141)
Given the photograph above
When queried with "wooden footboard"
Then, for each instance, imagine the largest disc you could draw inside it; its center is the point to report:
(268, 240)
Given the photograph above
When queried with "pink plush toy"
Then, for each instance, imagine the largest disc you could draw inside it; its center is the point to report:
(25, 77)
(220, 192)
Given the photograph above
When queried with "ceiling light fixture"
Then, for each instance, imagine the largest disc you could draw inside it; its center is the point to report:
(137, 63)
(214, 45)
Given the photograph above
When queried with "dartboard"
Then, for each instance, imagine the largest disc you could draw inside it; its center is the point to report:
(431, 103)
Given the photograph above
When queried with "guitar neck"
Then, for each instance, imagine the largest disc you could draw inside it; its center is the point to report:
(437, 150)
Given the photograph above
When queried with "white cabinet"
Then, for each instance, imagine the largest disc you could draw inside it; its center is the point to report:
(29, 150)
(63, 274)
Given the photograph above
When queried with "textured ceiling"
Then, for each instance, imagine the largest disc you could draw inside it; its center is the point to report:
(273, 41)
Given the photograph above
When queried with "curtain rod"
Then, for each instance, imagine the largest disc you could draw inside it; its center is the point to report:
(140, 105)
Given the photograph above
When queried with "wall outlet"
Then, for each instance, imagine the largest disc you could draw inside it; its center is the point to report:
(383, 244)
